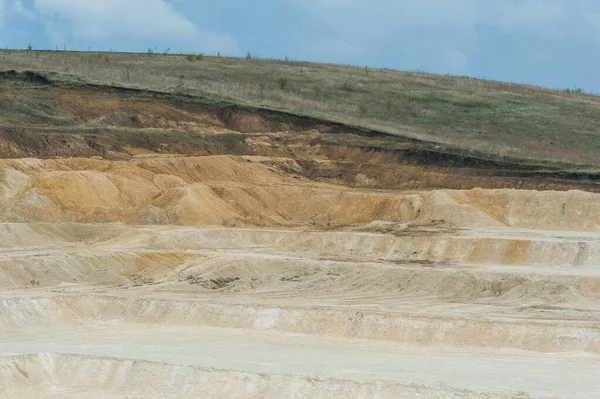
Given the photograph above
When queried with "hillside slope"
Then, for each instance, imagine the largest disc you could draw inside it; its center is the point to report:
(48, 116)
(468, 114)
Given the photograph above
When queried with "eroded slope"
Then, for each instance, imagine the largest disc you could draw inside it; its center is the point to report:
(151, 248)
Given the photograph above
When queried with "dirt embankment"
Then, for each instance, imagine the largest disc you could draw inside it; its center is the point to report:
(40, 119)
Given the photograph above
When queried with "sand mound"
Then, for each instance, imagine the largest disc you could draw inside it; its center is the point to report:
(225, 190)
(441, 206)
(192, 205)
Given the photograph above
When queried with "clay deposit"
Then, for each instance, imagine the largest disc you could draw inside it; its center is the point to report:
(230, 276)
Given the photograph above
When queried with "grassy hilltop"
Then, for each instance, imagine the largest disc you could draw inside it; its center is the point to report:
(499, 120)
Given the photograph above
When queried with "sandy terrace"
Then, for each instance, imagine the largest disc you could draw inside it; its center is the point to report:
(227, 277)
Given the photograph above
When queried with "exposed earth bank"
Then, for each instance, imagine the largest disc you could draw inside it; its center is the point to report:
(160, 249)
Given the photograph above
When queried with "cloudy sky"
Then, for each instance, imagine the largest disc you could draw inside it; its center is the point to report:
(553, 43)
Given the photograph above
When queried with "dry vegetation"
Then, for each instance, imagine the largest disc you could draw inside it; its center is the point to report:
(470, 114)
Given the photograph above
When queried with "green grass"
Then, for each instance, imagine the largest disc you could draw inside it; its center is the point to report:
(499, 119)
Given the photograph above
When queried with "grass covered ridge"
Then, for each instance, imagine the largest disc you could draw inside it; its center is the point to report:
(473, 115)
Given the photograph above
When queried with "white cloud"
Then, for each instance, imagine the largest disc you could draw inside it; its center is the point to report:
(444, 14)
(457, 16)
(443, 32)
(101, 20)
(21, 10)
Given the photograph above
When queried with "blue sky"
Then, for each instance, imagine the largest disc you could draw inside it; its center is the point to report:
(554, 43)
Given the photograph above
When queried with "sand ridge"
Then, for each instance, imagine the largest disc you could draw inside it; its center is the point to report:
(227, 190)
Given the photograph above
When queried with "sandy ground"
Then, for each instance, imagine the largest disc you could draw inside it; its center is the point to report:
(318, 357)
(223, 277)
